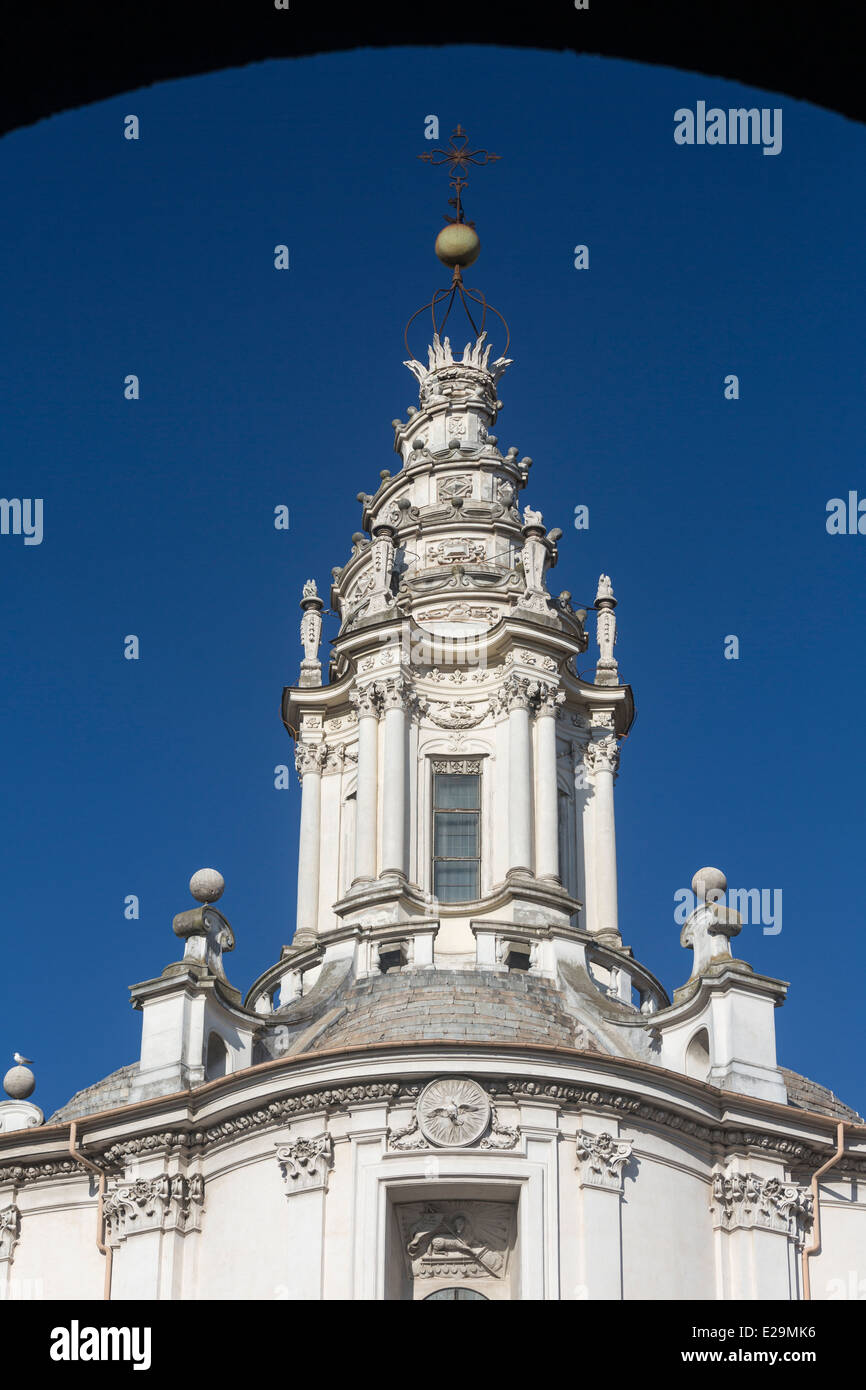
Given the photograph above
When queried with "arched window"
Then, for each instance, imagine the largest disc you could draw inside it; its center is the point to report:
(456, 1295)
(216, 1061)
(698, 1056)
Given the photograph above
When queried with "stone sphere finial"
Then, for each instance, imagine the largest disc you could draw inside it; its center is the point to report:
(207, 885)
(708, 885)
(19, 1083)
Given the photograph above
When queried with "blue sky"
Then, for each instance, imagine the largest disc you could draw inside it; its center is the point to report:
(259, 388)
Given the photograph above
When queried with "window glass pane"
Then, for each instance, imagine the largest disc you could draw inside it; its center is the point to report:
(455, 835)
(456, 790)
(454, 882)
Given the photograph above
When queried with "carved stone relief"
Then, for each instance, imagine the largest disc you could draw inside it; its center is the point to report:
(453, 1112)
(10, 1231)
(457, 715)
(450, 1239)
(459, 485)
(449, 552)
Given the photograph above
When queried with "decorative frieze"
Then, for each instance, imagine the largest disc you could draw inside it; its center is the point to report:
(306, 1163)
(10, 1231)
(459, 613)
(468, 767)
(165, 1203)
(601, 1159)
(565, 1096)
(459, 676)
(744, 1201)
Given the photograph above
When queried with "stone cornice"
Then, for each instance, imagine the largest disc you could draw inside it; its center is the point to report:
(218, 1113)
(724, 975)
(488, 648)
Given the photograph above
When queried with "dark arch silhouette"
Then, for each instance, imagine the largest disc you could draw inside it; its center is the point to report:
(68, 55)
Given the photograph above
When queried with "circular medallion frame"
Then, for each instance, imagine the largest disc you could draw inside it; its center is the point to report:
(453, 1112)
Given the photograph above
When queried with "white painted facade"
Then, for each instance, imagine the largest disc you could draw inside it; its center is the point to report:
(487, 1094)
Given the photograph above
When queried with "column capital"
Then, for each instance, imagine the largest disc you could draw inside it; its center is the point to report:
(397, 692)
(306, 1163)
(549, 699)
(744, 1201)
(366, 700)
(339, 758)
(310, 757)
(163, 1203)
(516, 692)
(600, 1160)
(602, 755)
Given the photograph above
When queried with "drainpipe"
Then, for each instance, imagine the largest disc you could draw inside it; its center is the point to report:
(816, 1207)
(100, 1219)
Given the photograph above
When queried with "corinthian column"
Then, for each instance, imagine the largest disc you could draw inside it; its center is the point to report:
(366, 700)
(394, 695)
(309, 759)
(546, 793)
(602, 759)
(517, 697)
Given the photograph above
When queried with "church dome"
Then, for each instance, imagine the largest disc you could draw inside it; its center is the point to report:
(461, 1005)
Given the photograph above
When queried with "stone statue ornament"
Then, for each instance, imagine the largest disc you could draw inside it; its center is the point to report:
(606, 671)
(311, 634)
(708, 930)
(206, 934)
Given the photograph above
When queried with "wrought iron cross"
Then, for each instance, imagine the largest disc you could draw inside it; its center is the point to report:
(458, 158)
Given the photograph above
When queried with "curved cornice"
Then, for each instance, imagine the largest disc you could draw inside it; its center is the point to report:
(274, 1093)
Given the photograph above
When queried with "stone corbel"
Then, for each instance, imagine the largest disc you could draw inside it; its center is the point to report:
(306, 1163)
(10, 1232)
(600, 1160)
